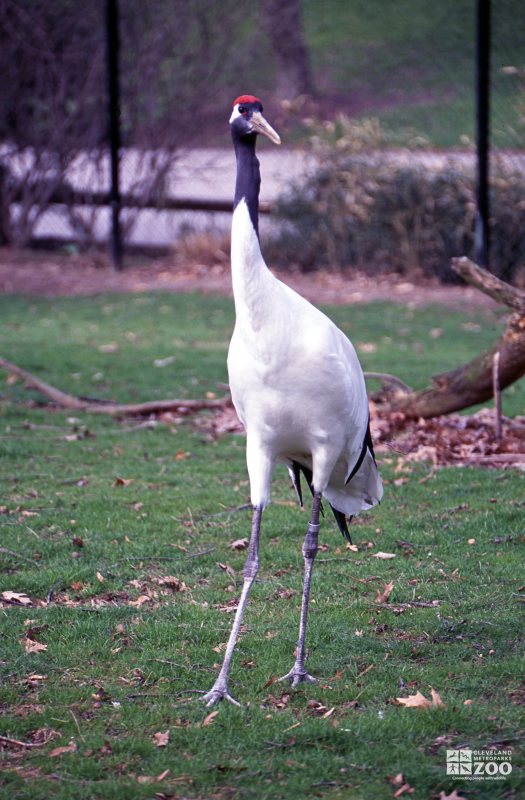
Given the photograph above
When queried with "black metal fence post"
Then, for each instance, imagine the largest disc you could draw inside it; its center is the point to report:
(112, 39)
(483, 37)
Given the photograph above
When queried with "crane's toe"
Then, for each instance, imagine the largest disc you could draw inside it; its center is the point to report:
(219, 691)
(297, 676)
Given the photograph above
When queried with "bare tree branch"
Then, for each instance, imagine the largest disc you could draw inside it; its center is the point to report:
(499, 290)
(69, 401)
(473, 382)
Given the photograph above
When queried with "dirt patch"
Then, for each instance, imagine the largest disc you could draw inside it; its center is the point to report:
(58, 275)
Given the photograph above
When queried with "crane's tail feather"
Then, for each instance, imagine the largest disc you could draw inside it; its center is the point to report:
(295, 474)
(342, 523)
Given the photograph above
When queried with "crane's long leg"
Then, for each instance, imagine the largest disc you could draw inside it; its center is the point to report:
(219, 690)
(298, 673)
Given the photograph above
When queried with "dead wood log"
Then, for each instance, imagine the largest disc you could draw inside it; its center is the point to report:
(473, 382)
(73, 403)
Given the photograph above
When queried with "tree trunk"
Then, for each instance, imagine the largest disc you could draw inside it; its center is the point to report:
(473, 382)
(283, 22)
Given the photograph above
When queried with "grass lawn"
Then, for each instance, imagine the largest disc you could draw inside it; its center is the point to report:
(126, 530)
(412, 63)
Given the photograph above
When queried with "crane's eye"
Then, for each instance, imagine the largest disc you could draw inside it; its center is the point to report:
(242, 110)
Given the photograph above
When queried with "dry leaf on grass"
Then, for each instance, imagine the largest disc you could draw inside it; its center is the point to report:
(17, 598)
(436, 699)
(161, 739)
(453, 796)
(61, 751)
(419, 700)
(146, 779)
(239, 544)
(402, 786)
(172, 583)
(122, 481)
(141, 599)
(383, 595)
(209, 719)
(383, 556)
(31, 646)
(34, 679)
(451, 439)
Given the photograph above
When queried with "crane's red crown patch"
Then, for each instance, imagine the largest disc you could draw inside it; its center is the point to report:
(246, 98)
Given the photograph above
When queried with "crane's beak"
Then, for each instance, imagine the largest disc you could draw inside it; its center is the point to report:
(260, 125)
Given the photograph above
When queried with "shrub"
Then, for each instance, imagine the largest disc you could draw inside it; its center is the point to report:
(388, 210)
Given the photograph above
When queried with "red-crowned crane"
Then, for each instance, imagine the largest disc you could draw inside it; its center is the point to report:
(297, 387)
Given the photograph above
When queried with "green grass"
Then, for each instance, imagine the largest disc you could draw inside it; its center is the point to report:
(412, 64)
(119, 669)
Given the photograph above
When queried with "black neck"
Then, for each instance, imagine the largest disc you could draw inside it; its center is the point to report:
(248, 179)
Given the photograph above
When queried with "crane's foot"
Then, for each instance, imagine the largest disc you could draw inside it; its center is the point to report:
(297, 676)
(219, 691)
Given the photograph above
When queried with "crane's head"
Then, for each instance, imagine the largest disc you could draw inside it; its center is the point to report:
(247, 119)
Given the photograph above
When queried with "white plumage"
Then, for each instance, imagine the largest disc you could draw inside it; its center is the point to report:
(297, 386)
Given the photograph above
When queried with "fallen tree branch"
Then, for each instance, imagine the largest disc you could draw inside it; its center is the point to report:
(7, 741)
(488, 283)
(471, 383)
(388, 381)
(73, 403)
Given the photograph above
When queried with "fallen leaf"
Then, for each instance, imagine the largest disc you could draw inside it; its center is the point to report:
(239, 544)
(383, 595)
(60, 751)
(400, 481)
(417, 700)
(100, 577)
(403, 787)
(34, 679)
(172, 583)
(164, 362)
(31, 646)
(367, 347)
(17, 598)
(383, 555)
(228, 569)
(436, 699)
(406, 788)
(43, 736)
(122, 481)
(209, 719)
(161, 739)
(27, 709)
(143, 598)
(453, 796)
